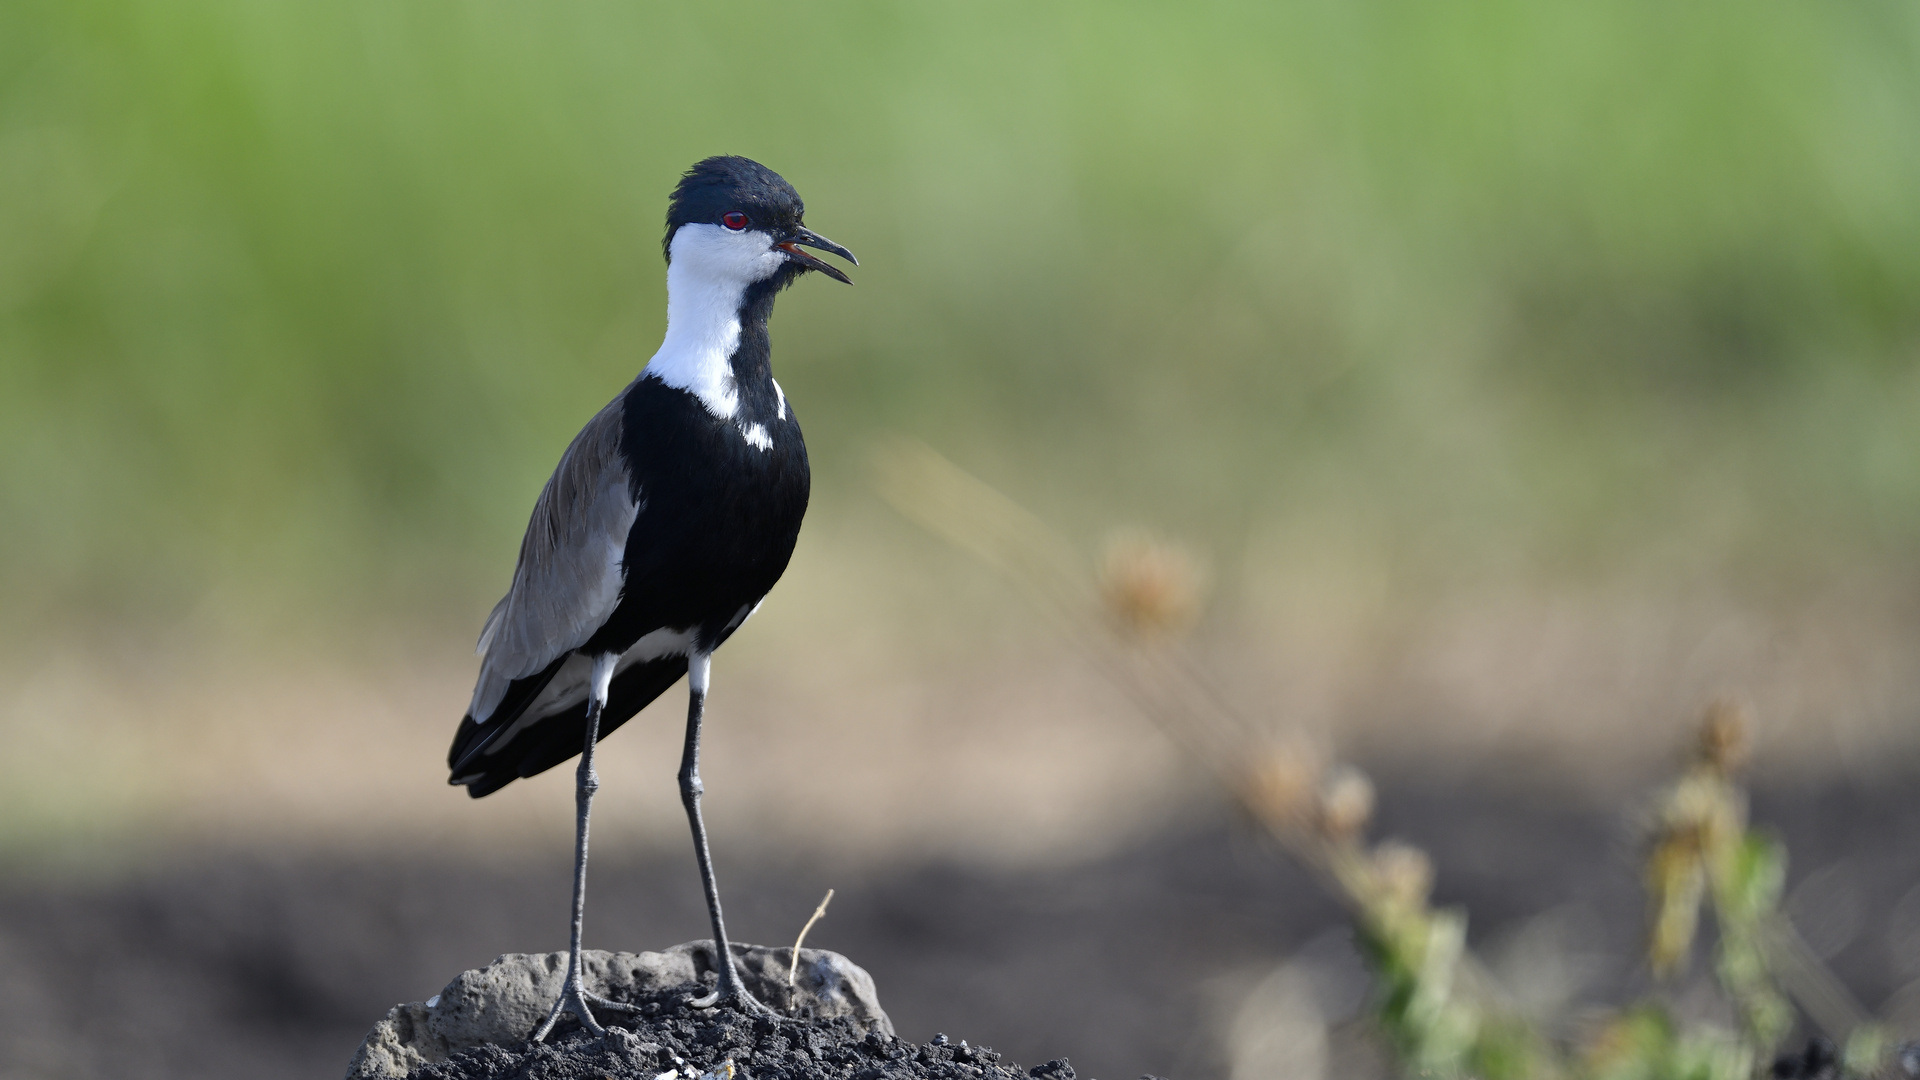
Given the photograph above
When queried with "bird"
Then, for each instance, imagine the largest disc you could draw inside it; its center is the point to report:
(667, 521)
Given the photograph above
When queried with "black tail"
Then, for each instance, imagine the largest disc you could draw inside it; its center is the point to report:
(471, 739)
(485, 767)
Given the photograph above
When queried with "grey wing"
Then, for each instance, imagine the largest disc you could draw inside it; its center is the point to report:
(570, 572)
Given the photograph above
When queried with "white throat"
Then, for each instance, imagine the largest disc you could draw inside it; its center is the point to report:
(707, 276)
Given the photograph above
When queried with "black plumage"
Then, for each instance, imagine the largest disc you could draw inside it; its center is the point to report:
(717, 524)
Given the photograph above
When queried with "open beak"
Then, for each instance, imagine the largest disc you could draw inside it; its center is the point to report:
(809, 238)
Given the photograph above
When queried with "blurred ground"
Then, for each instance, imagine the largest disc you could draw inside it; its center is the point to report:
(840, 739)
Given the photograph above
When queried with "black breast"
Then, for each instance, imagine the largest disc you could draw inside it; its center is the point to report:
(718, 516)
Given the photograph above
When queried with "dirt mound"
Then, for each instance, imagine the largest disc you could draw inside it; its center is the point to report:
(832, 1025)
(504, 1002)
(670, 1041)
(829, 1026)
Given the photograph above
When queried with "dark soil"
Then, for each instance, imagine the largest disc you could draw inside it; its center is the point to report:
(669, 1037)
(1820, 1060)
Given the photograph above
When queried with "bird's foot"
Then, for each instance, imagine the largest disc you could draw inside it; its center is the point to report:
(575, 999)
(610, 1005)
(730, 989)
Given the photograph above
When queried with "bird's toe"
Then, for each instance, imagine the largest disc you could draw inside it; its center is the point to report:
(736, 996)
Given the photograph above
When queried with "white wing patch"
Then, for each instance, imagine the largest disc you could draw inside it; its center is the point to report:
(740, 617)
(570, 684)
(781, 396)
(756, 436)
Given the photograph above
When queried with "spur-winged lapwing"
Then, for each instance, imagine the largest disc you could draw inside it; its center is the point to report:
(669, 518)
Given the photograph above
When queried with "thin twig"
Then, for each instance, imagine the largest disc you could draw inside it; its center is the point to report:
(793, 962)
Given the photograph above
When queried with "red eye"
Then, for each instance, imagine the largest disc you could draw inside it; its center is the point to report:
(734, 219)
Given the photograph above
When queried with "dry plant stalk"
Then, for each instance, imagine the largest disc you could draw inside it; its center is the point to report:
(793, 961)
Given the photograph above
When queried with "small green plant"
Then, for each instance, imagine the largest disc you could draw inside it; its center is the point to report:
(1432, 1001)
(1703, 857)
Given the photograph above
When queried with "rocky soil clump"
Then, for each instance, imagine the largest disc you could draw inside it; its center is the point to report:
(672, 1042)
(827, 1025)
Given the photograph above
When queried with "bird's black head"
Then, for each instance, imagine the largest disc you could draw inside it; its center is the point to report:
(740, 208)
(719, 186)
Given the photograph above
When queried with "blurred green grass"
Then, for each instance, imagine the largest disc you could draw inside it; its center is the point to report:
(300, 301)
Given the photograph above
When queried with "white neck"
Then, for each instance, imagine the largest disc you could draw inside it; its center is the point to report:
(707, 277)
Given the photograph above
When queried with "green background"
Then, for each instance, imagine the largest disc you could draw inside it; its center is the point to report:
(300, 301)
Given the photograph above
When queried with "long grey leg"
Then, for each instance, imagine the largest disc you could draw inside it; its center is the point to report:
(699, 666)
(573, 993)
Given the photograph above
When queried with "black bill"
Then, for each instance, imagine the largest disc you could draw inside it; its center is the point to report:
(809, 238)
